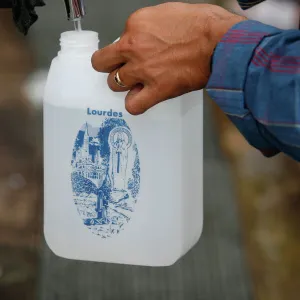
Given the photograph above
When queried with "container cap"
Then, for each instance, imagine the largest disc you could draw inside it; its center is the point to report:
(79, 37)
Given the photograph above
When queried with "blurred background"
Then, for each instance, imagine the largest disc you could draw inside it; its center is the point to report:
(251, 240)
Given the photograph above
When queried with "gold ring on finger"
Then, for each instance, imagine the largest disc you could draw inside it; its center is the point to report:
(118, 81)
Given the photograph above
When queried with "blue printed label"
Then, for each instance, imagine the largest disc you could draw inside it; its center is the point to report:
(105, 174)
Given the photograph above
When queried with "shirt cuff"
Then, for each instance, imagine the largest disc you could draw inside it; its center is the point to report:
(230, 63)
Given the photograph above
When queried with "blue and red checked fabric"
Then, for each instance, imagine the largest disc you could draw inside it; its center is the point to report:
(256, 81)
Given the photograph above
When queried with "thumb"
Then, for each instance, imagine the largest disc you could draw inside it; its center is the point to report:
(140, 98)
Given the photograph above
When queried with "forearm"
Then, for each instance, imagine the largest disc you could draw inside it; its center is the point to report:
(255, 81)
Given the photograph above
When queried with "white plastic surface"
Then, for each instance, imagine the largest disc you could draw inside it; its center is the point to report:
(137, 180)
(278, 13)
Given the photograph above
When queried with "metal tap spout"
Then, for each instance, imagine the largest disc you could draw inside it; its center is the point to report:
(75, 9)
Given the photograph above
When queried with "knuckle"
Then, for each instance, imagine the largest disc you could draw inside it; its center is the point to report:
(131, 21)
(136, 17)
(126, 45)
(130, 43)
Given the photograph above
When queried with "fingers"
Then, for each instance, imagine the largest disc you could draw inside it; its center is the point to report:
(127, 76)
(107, 59)
(140, 98)
(142, 94)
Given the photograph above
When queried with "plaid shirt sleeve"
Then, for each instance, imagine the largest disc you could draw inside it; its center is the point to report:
(256, 81)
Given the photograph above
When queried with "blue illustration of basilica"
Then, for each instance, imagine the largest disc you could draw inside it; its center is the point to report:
(108, 175)
(86, 165)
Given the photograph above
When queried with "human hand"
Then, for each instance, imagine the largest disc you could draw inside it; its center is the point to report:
(164, 52)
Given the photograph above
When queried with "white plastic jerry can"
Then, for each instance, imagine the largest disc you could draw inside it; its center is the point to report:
(118, 188)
